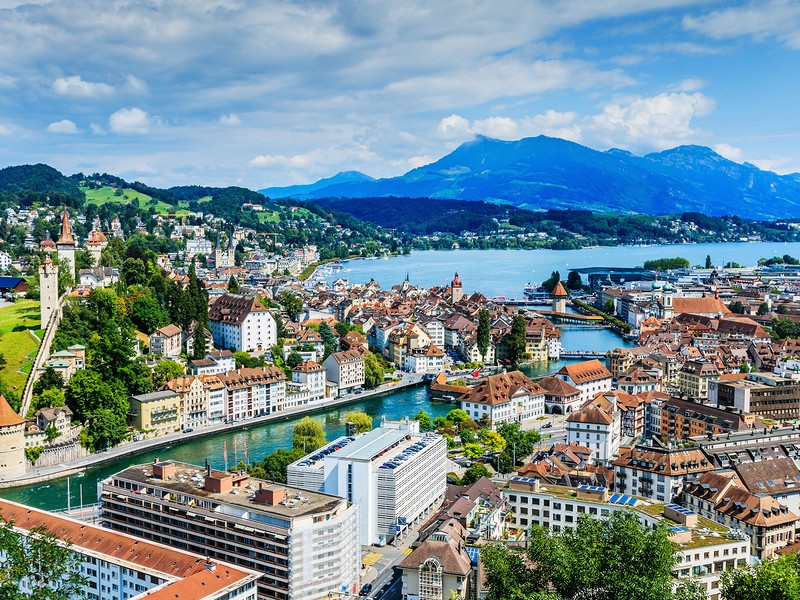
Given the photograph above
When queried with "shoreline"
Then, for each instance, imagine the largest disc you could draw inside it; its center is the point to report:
(135, 448)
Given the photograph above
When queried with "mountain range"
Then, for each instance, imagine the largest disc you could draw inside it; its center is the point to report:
(550, 173)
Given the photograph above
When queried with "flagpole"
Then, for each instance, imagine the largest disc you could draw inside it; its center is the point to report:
(225, 453)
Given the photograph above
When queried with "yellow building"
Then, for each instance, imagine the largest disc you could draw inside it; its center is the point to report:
(158, 412)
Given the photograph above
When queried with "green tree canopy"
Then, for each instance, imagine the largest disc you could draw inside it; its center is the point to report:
(50, 567)
(308, 435)
(474, 473)
(425, 423)
(373, 371)
(291, 303)
(773, 579)
(664, 264)
(361, 420)
(233, 285)
(618, 557)
(515, 342)
(166, 370)
(484, 335)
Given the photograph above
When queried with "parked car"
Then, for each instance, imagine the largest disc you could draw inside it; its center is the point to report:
(547, 426)
(366, 589)
(188, 430)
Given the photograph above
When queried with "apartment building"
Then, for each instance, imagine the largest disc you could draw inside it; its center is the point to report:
(159, 412)
(242, 323)
(590, 377)
(253, 392)
(118, 566)
(167, 341)
(308, 385)
(705, 549)
(304, 543)
(504, 398)
(695, 376)
(720, 497)
(597, 426)
(346, 370)
(658, 473)
(395, 476)
(762, 394)
(683, 419)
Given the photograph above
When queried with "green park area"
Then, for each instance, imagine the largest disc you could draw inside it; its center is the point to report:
(106, 195)
(19, 332)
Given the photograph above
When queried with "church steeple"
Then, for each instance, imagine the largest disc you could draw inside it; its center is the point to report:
(66, 231)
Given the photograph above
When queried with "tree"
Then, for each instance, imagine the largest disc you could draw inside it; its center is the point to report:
(504, 462)
(736, 307)
(293, 359)
(604, 555)
(516, 344)
(763, 309)
(328, 339)
(484, 338)
(148, 315)
(291, 304)
(49, 379)
(608, 307)
(574, 281)
(473, 451)
(51, 397)
(51, 432)
(474, 473)
(134, 271)
(550, 284)
(199, 340)
(493, 441)
(519, 443)
(276, 465)
(776, 579)
(233, 285)
(49, 566)
(425, 423)
(166, 370)
(308, 435)
(361, 420)
(104, 428)
(709, 264)
(373, 371)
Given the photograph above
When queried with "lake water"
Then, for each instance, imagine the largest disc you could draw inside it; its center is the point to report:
(505, 272)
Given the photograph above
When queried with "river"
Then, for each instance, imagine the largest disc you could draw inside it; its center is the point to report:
(505, 272)
(508, 271)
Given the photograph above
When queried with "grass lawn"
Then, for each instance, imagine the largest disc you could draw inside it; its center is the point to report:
(268, 216)
(105, 195)
(16, 342)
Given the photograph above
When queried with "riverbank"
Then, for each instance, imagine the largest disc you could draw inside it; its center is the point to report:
(409, 380)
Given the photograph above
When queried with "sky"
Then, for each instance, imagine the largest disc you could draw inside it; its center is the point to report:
(270, 93)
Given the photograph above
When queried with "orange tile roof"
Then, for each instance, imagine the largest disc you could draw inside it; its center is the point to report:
(190, 577)
(586, 371)
(8, 418)
(500, 388)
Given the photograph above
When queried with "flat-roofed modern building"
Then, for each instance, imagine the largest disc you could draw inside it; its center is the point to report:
(305, 544)
(396, 476)
(705, 549)
(118, 566)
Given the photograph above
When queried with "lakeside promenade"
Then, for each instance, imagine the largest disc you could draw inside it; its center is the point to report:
(133, 448)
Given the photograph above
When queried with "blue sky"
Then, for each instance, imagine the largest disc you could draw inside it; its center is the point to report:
(229, 92)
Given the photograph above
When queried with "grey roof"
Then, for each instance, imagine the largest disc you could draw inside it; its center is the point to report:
(153, 396)
(371, 444)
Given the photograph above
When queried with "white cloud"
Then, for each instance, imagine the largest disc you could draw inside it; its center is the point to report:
(419, 161)
(5, 130)
(129, 121)
(730, 152)
(453, 127)
(230, 119)
(298, 161)
(75, 86)
(648, 123)
(97, 129)
(135, 85)
(692, 84)
(778, 19)
(658, 122)
(501, 128)
(63, 126)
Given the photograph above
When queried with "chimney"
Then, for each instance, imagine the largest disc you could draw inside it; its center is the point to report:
(270, 495)
(211, 566)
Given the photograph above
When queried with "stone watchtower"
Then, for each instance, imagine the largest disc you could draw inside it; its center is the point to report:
(560, 296)
(48, 290)
(66, 245)
(12, 441)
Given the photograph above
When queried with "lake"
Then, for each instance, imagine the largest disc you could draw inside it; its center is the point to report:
(505, 272)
